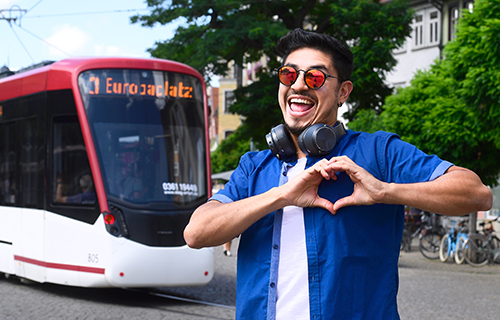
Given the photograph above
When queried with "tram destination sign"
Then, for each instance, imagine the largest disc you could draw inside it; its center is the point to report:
(137, 83)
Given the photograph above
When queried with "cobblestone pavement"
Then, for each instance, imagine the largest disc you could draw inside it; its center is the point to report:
(429, 290)
(34, 301)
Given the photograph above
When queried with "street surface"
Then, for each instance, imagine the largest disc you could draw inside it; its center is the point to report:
(431, 289)
(428, 290)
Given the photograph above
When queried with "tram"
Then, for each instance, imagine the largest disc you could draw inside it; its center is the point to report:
(102, 162)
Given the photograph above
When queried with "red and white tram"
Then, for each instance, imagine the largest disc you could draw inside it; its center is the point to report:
(102, 162)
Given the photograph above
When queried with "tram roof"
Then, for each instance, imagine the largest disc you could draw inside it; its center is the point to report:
(63, 74)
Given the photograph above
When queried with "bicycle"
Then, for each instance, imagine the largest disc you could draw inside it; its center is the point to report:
(452, 244)
(484, 248)
(413, 226)
(429, 231)
(430, 238)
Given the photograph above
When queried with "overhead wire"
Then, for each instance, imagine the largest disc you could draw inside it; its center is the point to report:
(53, 15)
(46, 42)
(94, 12)
(84, 13)
(22, 44)
(34, 6)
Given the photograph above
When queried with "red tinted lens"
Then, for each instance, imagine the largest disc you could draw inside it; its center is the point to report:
(314, 78)
(287, 75)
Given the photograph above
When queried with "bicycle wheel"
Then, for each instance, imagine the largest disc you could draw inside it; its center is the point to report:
(494, 243)
(477, 250)
(459, 250)
(429, 245)
(443, 248)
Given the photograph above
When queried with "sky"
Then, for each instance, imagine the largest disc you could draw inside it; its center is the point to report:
(74, 29)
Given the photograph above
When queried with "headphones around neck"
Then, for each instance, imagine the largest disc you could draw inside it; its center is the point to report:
(319, 139)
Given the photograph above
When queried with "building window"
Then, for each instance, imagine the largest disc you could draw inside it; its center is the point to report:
(227, 133)
(228, 100)
(426, 28)
(469, 5)
(433, 27)
(454, 14)
(418, 29)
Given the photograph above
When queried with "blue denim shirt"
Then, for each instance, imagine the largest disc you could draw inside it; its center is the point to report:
(353, 255)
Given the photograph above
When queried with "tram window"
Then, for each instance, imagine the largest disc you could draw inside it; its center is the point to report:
(8, 161)
(29, 162)
(72, 178)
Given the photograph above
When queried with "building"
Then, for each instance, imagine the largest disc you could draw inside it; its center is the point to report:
(228, 122)
(433, 26)
(235, 77)
(213, 117)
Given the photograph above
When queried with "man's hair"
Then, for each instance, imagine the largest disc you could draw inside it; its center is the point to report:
(342, 57)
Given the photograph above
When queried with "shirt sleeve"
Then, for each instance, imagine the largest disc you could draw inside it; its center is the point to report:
(406, 163)
(237, 187)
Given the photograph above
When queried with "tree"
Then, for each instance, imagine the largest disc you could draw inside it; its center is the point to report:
(219, 31)
(228, 154)
(452, 110)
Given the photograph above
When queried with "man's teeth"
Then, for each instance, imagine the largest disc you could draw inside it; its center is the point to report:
(301, 101)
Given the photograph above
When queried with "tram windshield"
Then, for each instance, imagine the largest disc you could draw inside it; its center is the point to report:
(149, 131)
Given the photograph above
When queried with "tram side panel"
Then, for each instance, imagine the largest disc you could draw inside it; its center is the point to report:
(30, 246)
(22, 247)
(10, 220)
(77, 253)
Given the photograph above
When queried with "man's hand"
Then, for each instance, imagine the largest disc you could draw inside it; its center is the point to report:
(302, 191)
(368, 190)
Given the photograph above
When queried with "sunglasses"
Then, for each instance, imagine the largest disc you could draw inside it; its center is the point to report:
(313, 78)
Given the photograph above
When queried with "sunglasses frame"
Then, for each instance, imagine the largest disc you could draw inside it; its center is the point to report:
(305, 72)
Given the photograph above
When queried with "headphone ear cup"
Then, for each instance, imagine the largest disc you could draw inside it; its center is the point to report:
(317, 140)
(281, 144)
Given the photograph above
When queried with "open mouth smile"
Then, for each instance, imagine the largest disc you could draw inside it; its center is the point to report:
(300, 106)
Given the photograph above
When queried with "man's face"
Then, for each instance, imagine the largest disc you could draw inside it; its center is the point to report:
(302, 106)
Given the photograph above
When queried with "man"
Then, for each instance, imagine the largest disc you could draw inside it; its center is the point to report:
(86, 196)
(320, 235)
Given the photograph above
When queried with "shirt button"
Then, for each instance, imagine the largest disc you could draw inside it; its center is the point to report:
(284, 173)
(275, 246)
(272, 285)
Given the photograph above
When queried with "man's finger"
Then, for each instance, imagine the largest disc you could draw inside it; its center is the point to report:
(343, 202)
(323, 203)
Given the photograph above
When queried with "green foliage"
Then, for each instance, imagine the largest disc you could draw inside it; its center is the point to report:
(227, 155)
(219, 31)
(258, 104)
(215, 33)
(475, 57)
(452, 110)
(367, 120)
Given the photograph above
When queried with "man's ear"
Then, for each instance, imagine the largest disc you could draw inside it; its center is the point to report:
(345, 90)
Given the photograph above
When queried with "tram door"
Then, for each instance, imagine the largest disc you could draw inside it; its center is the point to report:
(10, 215)
(28, 195)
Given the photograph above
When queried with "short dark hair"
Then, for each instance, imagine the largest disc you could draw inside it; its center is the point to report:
(342, 56)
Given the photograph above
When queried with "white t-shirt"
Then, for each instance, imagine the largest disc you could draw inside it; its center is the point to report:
(293, 284)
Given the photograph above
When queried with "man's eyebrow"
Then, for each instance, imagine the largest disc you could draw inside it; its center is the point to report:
(319, 66)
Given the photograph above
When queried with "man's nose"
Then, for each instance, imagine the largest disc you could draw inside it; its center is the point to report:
(300, 82)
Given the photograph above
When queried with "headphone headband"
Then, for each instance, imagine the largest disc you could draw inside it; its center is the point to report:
(318, 139)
